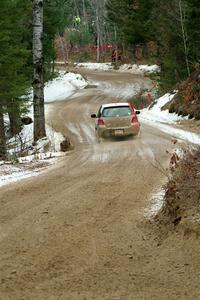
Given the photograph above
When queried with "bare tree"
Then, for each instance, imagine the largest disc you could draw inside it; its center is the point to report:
(85, 17)
(98, 34)
(177, 13)
(38, 78)
(98, 7)
(184, 34)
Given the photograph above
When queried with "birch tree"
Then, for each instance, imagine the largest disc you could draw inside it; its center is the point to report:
(98, 8)
(182, 12)
(98, 32)
(38, 76)
(2, 135)
(172, 21)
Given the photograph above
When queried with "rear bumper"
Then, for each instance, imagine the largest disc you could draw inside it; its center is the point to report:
(104, 132)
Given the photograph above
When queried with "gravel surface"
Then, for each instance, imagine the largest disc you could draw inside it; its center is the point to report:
(78, 231)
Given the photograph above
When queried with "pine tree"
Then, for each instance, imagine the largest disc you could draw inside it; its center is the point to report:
(193, 30)
(14, 54)
(132, 19)
(178, 34)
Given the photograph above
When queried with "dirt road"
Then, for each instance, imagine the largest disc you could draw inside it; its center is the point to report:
(78, 230)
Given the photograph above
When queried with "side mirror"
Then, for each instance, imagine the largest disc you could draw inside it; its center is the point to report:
(137, 112)
(93, 116)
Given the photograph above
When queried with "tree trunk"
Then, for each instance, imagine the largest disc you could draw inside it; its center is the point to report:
(184, 36)
(85, 16)
(38, 78)
(14, 117)
(2, 136)
(98, 37)
(62, 45)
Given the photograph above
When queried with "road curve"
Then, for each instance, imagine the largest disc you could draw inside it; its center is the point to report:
(77, 231)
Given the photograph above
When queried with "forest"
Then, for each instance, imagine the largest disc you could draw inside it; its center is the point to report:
(151, 31)
(99, 149)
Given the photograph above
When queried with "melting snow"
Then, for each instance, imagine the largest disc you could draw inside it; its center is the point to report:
(63, 86)
(157, 201)
(131, 68)
(139, 69)
(164, 120)
(96, 66)
(36, 160)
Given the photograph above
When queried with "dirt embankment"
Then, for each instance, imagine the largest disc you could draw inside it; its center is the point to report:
(183, 189)
(181, 211)
(187, 100)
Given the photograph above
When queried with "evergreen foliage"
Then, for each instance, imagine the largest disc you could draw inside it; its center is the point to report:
(132, 19)
(16, 56)
(174, 25)
(193, 28)
(55, 20)
(15, 71)
(172, 33)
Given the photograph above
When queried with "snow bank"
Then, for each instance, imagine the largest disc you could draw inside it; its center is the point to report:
(135, 69)
(46, 150)
(156, 203)
(29, 166)
(63, 86)
(164, 120)
(155, 114)
(149, 69)
(95, 66)
(58, 89)
(139, 69)
(37, 158)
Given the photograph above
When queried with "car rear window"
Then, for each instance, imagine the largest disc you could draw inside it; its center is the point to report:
(117, 111)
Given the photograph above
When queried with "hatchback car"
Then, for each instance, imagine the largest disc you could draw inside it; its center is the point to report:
(117, 120)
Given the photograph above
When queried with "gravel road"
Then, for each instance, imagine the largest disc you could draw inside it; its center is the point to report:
(78, 230)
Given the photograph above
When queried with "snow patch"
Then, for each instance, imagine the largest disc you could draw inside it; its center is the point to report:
(95, 66)
(28, 166)
(155, 113)
(139, 69)
(37, 158)
(63, 86)
(164, 120)
(47, 149)
(131, 68)
(157, 201)
(175, 132)
(11, 174)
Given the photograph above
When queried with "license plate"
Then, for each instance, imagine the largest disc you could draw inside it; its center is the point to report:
(119, 132)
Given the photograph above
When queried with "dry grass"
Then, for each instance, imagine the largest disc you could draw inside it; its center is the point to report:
(187, 100)
(182, 197)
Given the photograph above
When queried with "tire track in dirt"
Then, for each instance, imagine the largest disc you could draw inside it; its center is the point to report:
(75, 231)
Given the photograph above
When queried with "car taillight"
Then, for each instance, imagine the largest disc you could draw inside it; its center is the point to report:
(100, 121)
(134, 119)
